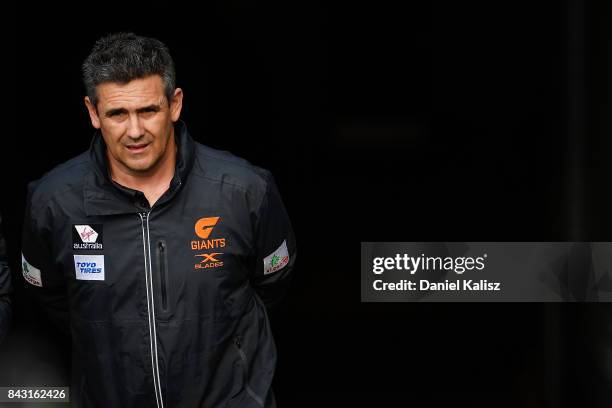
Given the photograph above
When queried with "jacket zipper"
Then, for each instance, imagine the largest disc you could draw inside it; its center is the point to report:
(146, 241)
(243, 357)
(163, 279)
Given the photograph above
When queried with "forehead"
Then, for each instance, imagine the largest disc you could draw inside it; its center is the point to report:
(141, 91)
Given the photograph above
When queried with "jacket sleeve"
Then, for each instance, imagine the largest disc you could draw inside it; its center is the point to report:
(5, 289)
(275, 247)
(44, 279)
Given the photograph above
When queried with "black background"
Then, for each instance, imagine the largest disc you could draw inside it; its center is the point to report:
(429, 121)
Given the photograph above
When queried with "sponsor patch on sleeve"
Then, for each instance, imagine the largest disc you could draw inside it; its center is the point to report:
(89, 267)
(277, 259)
(30, 273)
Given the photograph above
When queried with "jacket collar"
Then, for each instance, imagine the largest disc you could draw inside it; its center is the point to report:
(103, 196)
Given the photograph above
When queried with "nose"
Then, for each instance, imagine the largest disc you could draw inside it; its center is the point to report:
(135, 129)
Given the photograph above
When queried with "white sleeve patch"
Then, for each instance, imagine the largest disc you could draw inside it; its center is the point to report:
(30, 273)
(277, 260)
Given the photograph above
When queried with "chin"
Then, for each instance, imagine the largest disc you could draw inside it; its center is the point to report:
(138, 166)
(142, 169)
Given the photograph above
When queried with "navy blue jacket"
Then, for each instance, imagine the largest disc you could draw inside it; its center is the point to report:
(166, 305)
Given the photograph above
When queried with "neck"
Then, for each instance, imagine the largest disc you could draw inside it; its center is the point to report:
(152, 182)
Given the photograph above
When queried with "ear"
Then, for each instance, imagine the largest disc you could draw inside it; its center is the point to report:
(93, 113)
(176, 105)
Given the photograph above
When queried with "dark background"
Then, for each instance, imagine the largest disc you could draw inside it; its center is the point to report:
(426, 121)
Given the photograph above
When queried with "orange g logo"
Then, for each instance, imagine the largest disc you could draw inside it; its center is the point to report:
(204, 226)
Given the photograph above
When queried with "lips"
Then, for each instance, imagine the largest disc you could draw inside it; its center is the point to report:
(137, 148)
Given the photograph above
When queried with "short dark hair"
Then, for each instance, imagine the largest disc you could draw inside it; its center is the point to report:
(123, 57)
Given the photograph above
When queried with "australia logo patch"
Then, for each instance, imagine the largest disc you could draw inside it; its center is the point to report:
(88, 237)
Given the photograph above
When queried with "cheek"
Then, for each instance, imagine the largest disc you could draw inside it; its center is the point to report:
(112, 136)
(160, 129)
(160, 124)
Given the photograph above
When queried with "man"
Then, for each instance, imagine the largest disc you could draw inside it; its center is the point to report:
(5, 287)
(164, 251)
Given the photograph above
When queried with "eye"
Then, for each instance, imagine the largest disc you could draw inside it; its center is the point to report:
(150, 109)
(148, 112)
(115, 113)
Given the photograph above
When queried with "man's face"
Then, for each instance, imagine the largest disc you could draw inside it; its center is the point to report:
(136, 122)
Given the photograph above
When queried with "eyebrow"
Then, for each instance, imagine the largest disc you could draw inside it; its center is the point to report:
(152, 107)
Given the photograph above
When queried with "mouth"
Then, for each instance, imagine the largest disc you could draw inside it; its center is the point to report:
(137, 148)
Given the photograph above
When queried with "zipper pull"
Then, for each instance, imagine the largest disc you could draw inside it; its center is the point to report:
(237, 341)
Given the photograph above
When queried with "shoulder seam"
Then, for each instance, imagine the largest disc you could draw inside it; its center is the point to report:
(244, 189)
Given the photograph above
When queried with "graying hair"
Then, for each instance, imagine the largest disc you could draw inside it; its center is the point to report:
(123, 57)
